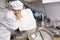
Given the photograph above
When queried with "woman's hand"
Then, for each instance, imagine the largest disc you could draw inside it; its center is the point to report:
(19, 17)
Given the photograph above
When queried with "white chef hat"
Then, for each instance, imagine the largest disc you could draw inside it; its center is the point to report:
(16, 5)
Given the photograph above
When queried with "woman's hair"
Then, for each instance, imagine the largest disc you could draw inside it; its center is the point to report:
(7, 4)
(10, 0)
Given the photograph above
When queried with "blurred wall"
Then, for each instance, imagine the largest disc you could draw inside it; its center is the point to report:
(53, 10)
(2, 5)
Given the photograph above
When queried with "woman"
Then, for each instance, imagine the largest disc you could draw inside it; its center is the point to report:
(17, 18)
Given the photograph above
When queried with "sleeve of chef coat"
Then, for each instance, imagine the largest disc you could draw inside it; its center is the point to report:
(28, 22)
(11, 20)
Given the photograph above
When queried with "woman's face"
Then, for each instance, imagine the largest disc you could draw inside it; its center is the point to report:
(17, 12)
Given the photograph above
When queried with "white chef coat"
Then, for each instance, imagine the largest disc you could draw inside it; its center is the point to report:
(10, 21)
(27, 21)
